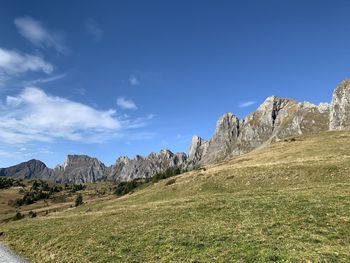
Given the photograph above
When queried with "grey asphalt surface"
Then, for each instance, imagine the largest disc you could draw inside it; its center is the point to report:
(7, 256)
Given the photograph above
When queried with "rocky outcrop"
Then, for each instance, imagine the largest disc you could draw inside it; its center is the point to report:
(223, 143)
(339, 118)
(79, 169)
(258, 127)
(198, 149)
(275, 119)
(126, 169)
(31, 169)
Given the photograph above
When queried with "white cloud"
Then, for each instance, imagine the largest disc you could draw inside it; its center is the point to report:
(43, 80)
(38, 35)
(126, 104)
(13, 63)
(246, 104)
(5, 154)
(133, 80)
(34, 115)
(93, 29)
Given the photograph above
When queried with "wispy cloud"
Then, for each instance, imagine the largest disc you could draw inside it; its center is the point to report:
(43, 80)
(13, 63)
(93, 29)
(37, 34)
(246, 104)
(34, 115)
(151, 116)
(80, 91)
(5, 154)
(133, 80)
(140, 136)
(126, 104)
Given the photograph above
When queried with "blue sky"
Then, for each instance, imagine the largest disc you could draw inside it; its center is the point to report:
(111, 78)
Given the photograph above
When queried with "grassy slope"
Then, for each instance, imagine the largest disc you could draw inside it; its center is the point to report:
(57, 202)
(289, 202)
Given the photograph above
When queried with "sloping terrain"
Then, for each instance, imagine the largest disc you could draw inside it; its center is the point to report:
(288, 202)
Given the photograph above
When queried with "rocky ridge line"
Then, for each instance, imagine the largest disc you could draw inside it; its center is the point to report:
(275, 119)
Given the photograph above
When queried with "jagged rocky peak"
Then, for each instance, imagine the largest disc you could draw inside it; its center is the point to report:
(226, 122)
(270, 109)
(122, 159)
(224, 140)
(166, 153)
(258, 127)
(340, 107)
(197, 149)
(276, 118)
(324, 107)
(127, 169)
(79, 169)
(181, 159)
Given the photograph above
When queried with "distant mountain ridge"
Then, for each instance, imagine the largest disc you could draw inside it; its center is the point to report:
(275, 119)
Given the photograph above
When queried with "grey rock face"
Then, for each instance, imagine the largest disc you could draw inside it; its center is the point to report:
(258, 127)
(198, 149)
(222, 144)
(126, 169)
(85, 169)
(79, 169)
(274, 119)
(30, 169)
(340, 107)
(224, 141)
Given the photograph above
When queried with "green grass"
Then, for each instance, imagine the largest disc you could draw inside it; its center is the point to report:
(289, 202)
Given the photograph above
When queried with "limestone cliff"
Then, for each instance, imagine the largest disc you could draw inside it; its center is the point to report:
(340, 107)
(275, 119)
(126, 169)
(79, 169)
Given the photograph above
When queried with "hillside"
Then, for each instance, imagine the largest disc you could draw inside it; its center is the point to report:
(288, 202)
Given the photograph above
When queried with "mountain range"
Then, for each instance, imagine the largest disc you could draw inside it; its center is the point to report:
(275, 119)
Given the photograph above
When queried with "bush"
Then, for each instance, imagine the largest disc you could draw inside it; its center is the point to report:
(171, 181)
(6, 182)
(40, 190)
(123, 188)
(75, 187)
(18, 216)
(32, 214)
(79, 200)
(166, 174)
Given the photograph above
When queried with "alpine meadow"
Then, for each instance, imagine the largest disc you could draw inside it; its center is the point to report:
(108, 142)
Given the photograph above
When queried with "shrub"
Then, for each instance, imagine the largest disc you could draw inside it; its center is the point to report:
(18, 216)
(40, 190)
(166, 174)
(79, 200)
(32, 214)
(6, 182)
(171, 181)
(77, 187)
(123, 188)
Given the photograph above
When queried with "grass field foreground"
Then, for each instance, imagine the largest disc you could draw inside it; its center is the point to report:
(288, 202)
